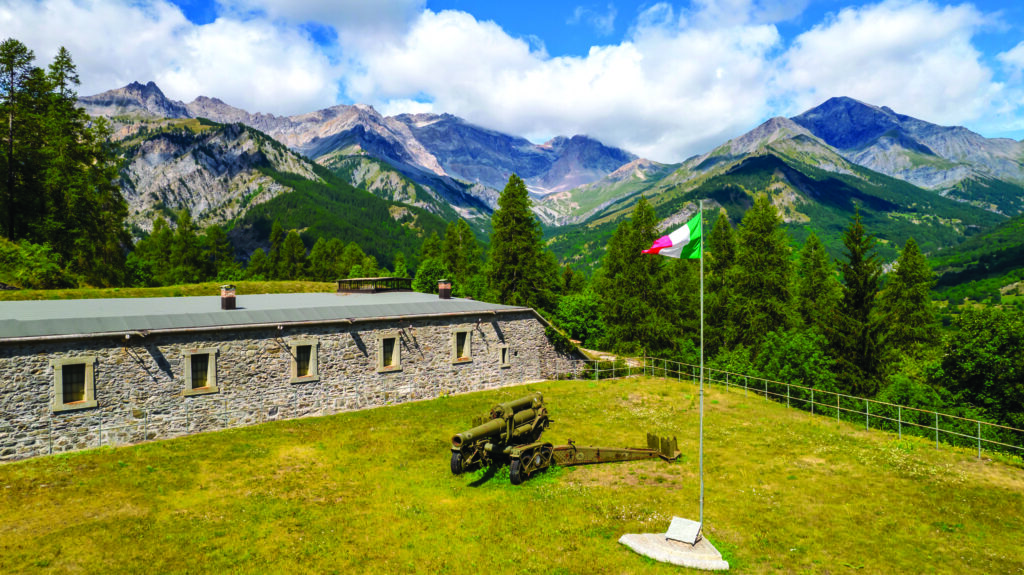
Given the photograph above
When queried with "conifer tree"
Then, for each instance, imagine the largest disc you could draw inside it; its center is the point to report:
(630, 287)
(460, 253)
(277, 236)
(259, 265)
(818, 291)
(519, 272)
(431, 247)
(857, 333)
(218, 253)
(15, 69)
(292, 264)
(761, 278)
(906, 302)
(720, 254)
(401, 268)
(325, 258)
(351, 256)
(186, 256)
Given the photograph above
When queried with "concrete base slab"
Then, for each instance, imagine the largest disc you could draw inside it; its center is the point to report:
(703, 555)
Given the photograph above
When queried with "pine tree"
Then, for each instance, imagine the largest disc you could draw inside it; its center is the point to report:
(906, 302)
(186, 255)
(720, 254)
(351, 256)
(818, 291)
(519, 271)
(15, 69)
(857, 333)
(401, 268)
(218, 253)
(460, 253)
(431, 247)
(292, 265)
(259, 265)
(761, 278)
(277, 236)
(630, 286)
(325, 259)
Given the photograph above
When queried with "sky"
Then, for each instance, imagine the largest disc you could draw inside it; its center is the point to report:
(664, 80)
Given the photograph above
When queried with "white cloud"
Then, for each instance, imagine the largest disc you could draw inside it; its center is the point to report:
(602, 23)
(1014, 59)
(254, 64)
(663, 94)
(915, 57)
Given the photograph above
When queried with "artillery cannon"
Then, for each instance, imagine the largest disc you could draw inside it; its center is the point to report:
(511, 433)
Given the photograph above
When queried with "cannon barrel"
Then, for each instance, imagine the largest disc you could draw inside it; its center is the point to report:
(496, 427)
(516, 405)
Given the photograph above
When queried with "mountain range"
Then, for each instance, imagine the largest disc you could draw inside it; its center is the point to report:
(907, 176)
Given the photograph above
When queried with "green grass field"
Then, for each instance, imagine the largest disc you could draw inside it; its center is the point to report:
(371, 492)
(208, 288)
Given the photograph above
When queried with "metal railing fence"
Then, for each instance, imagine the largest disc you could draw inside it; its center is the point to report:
(903, 420)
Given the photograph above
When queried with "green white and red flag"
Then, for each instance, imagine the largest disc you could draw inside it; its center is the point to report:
(683, 243)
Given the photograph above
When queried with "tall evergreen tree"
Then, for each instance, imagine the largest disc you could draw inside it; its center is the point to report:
(630, 285)
(292, 264)
(818, 291)
(460, 253)
(186, 254)
(720, 254)
(15, 70)
(277, 235)
(857, 332)
(325, 259)
(218, 253)
(906, 302)
(351, 257)
(431, 248)
(518, 269)
(761, 277)
(401, 268)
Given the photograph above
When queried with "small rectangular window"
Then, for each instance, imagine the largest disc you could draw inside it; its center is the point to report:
(389, 353)
(302, 354)
(505, 356)
(462, 346)
(74, 383)
(200, 371)
(305, 360)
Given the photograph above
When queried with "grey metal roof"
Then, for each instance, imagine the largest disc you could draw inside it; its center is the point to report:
(57, 318)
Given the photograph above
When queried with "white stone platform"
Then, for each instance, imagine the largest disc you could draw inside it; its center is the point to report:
(657, 546)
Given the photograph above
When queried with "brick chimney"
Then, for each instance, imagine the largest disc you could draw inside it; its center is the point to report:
(227, 297)
(444, 289)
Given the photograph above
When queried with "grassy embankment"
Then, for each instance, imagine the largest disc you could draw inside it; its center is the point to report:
(371, 492)
(208, 288)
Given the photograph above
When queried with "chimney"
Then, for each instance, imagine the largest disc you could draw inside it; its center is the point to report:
(227, 297)
(444, 289)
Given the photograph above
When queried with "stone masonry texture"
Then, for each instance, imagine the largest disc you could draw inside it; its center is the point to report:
(140, 382)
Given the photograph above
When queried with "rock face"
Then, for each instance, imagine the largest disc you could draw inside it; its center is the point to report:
(453, 160)
(215, 173)
(922, 153)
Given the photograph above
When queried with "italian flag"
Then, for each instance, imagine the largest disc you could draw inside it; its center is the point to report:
(683, 243)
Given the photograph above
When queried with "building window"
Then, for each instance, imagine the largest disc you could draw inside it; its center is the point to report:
(389, 353)
(505, 356)
(305, 360)
(462, 346)
(201, 371)
(74, 384)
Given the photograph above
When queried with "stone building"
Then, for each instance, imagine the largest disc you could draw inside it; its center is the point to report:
(76, 374)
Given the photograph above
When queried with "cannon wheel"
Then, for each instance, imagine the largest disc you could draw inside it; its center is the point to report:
(456, 463)
(515, 472)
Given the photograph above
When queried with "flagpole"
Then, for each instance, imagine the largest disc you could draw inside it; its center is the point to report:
(700, 207)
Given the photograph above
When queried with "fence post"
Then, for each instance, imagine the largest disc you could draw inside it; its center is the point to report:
(812, 401)
(837, 408)
(766, 389)
(49, 435)
(145, 428)
(596, 366)
(899, 411)
(745, 385)
(867, 415)
(787, 395)
(979, 440)
(99, 440)
(936, 430)
(727, 381)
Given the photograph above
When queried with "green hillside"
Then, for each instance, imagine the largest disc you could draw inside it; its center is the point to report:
(810, 199)
(981, 265)
(333, 208)
(371, 492)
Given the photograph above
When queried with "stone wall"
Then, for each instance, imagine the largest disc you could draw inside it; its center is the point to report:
(140, 384)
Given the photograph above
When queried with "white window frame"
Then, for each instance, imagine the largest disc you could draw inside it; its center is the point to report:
(211, 371)
(58, 383)
(396, 364)
(314, 360)
(468, 348)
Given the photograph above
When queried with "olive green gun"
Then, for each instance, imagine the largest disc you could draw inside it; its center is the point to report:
(510, 433)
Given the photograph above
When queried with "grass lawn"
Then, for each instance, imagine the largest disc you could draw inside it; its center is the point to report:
(208, 288)
(371, 492)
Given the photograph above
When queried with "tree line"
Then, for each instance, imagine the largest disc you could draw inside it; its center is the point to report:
(59, 203)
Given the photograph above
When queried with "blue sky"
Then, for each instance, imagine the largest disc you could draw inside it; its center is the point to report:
(665, 80)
